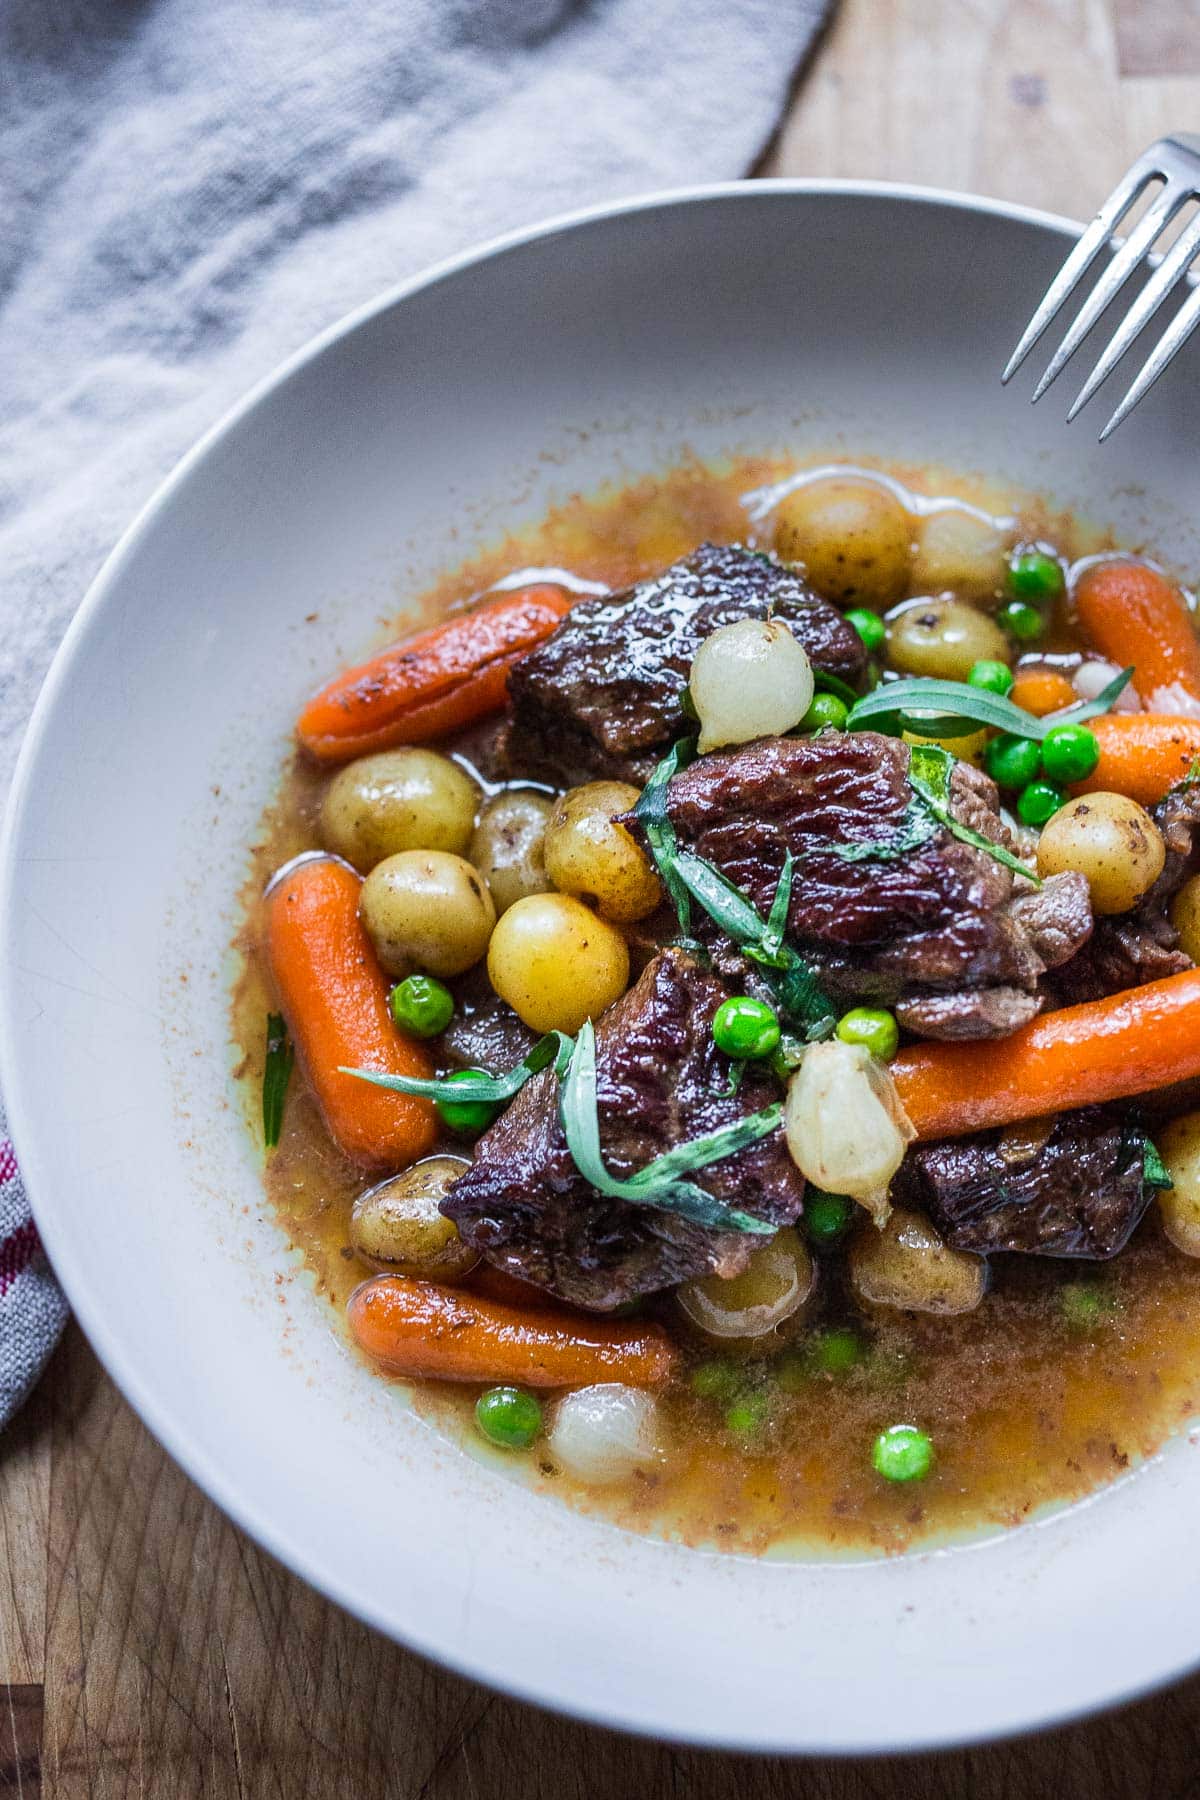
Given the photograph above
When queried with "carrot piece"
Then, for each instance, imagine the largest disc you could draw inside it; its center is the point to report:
(1107, 1049)
(1135, 615)
(435, 682)
(417, 1329)
(334, 997)
(1141, 754)
(1042, 691)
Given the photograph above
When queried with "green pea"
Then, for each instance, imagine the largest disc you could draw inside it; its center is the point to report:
(466, 1118)
(826, 1217)
(509, 1417)
(873, 1027)
(1021, 620)
(745, 1028)
(902, 1453)
(869, 626)
(1012, 761)
(992, 677)
(1085, 1305)
(715, 1381)
(422, 1006)
(835, 1351)
(1039, 802)
(1032, 575)
(1069, 752)
(826, 709)
(747, 1416)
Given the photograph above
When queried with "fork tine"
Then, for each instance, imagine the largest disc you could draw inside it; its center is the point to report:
(1114, 277)
(1084, 254)
(1169, 271)
(1168, 346)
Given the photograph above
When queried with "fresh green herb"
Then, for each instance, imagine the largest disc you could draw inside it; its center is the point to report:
(941, 709)
(915, 828)
(794, 983)
(1155, 1173)
(276, 1075)
(468, 1117)
(929, 771)
(736, 1071)
(477, 1084)
(651, 813)
(770, 949)
(660, 1184)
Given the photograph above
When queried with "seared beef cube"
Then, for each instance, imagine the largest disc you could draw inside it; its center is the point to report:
(660, 1082)
(933, 926)
(1079, 1192)
(1141, 945)
(603, 695)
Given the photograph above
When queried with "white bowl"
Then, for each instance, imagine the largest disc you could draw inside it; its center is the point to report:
(780, 315)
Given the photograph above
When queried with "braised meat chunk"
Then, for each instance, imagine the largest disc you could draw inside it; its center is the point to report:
(660, 1082)
(1141, 945)
(1078, 1191)
(882, 905)
(603, 696)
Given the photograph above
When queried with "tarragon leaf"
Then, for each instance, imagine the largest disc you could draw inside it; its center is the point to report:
(276, 1075)
(943, 709)
(651, 813)
(554, 1048)
(929, 777)
(660, 1184)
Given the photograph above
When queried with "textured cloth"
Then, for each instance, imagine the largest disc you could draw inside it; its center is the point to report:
(190, 188)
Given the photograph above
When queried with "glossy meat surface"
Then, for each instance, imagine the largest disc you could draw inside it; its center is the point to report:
(1079, 1192)
(929, 924)
(660, 1082)
(603, 695)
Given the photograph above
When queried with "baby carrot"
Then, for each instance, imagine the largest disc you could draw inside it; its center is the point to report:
(1042, 691)
(1107, 1049)
(416, 1329)
(1141, 754)
(1135, 615)
(435, 682)
(334, 997)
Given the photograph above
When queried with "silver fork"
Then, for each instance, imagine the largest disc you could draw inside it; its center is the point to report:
(1175, 161)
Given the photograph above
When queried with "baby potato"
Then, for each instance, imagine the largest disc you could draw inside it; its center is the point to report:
(588, 855)
(398, 800)
(508, 846)
(851, 536)
(961, 549)
(944, 638)
(1112, 841)
(775, 1283)
(1179, 1206)
(397, 1227)
(556, 963)
(1185, 917)
(906, 1265)
(427, 910)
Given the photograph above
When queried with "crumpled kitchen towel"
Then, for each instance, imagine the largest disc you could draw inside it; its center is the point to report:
(190, 188)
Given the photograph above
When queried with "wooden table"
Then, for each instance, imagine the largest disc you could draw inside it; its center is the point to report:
(148, 1648)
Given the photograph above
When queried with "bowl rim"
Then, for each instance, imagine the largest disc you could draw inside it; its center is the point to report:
(170, 1428)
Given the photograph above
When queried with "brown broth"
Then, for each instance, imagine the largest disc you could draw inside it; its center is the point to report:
(1063, 1377)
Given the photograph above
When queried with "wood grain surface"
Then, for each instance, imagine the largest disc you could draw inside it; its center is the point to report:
(146, 1647)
